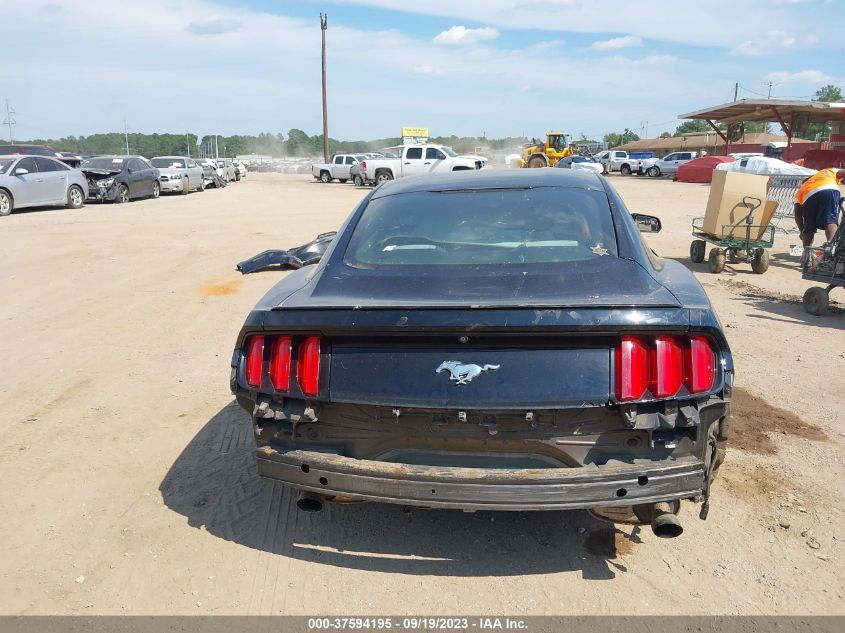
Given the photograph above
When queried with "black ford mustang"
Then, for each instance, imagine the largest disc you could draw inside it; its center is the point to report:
(496, 340)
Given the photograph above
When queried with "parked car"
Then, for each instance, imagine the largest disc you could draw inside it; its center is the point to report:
(618, 160)
(338, 168)
(120, 178)
(68, 158)
(179, 173)
(417, 160)
(227, 170)
(667, 165)
(33, 181)
(512, 345)
(580, 162)
(242, 170)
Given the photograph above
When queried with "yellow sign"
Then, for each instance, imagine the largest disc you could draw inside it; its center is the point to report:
(416, 132)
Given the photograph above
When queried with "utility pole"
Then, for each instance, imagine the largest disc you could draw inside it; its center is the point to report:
(188, 143)
(9, 120)
(770, 84)
(126, 136)
(736, 90)
(217, 148)
(324, 24)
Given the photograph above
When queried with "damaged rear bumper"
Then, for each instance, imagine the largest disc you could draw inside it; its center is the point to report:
(483, 488)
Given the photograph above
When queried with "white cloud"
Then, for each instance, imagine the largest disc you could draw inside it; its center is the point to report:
(426, 69)
(548, 44)
(698, 24)
(800, 77)
(769, 42)
(615, 43)
(462, 35)
(214, 26)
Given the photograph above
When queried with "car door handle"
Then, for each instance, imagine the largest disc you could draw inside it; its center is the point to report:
(427, 163)
(408, 163)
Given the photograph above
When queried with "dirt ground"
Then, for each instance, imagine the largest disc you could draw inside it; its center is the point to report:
(127, 478)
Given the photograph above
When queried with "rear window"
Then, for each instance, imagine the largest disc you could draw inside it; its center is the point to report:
(495, 226)
(168, 162)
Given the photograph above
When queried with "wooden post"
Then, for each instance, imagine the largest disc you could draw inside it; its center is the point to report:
(324, 24)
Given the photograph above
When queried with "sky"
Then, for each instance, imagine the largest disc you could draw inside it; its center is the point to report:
(465, 67)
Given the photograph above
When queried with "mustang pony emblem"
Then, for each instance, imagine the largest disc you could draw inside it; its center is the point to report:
(461, 373)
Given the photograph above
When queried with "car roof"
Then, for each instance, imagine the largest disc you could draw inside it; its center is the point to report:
(492, 179)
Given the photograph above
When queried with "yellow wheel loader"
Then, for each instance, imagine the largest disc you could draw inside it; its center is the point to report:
(547, 155)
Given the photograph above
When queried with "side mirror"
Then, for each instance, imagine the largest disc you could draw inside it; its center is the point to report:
(647, 223)
(20, 171)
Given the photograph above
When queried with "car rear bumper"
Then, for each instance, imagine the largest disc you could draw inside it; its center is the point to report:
(482, 488)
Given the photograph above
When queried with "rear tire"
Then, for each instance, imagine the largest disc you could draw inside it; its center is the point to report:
(202, 184)
(122, 194)
(383, 176)
(75, 197)
(185, 186)
(6, 203)
(760, 261)
(156, 189)
(717, 260)
(816, 300)
(358, 181)
(625, 170)
(325, 177)
(654, 172)
(696, 251)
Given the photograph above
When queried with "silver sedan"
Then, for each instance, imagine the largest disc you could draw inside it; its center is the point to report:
(36, 181)
(179, 173)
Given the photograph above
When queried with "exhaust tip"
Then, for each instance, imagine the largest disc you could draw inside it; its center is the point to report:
(666, 526)
(309, 502)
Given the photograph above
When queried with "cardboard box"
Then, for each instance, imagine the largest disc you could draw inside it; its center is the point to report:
(726, 210)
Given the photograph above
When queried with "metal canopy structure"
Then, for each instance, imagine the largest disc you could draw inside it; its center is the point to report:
(791, 115)
(765, 110)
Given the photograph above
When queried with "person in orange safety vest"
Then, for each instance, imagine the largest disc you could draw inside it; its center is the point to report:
(817, 204)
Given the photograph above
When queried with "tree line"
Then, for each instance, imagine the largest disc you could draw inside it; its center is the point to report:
(296, 143)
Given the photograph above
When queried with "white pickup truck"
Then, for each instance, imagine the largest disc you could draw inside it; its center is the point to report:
(656, 167)
(417, 160)
(338, 168)
(618, 160)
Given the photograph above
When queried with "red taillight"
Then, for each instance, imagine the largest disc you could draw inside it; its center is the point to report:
(632, 369)
(280, 354)
(254, 361)
(700, 365)
(308, 366)
(663, 365)
(667, 367)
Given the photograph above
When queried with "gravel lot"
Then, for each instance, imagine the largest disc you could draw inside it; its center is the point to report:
(128, 483)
